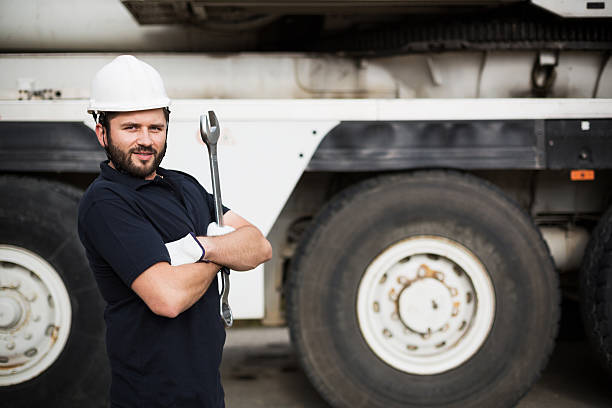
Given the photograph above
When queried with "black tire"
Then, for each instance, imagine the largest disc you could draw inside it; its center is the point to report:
(359, 223)
(596, 288)
(40, 216)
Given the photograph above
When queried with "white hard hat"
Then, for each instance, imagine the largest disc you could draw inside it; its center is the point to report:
(127, 84)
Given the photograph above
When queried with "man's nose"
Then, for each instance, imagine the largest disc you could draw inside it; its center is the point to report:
(144, 137)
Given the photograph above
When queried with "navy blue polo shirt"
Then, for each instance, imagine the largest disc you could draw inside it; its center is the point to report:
(124, 223)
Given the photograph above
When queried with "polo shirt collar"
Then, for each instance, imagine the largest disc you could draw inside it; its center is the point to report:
(108, 173)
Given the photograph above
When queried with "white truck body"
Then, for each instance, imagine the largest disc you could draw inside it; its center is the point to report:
(266, 145)
(459, 179)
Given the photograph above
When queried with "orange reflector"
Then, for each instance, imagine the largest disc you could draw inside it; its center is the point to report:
(582, 175)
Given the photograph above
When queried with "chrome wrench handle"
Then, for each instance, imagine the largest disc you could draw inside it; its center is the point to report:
(210, 131)
(216, 187)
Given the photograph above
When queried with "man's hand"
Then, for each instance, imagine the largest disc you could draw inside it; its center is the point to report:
(169, 290)
(240, 250)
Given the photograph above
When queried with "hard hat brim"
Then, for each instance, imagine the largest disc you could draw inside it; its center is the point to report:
(124, 107)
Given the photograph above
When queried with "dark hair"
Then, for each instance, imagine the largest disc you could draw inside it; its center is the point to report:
(104, 119)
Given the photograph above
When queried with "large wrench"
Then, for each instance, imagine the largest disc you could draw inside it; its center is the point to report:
(210, 131)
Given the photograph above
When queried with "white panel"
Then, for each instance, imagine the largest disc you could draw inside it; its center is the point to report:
(266, 144)
(576, 73)
(289, 113)
(490, 109)
(193, 76)
(259, 164)
(576, 8)
(506, 74)
(246, 296)
(259, 161)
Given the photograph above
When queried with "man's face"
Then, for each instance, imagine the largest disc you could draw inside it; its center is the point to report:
(137, 141)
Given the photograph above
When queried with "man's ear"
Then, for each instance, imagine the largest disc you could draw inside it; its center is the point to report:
(101, 134)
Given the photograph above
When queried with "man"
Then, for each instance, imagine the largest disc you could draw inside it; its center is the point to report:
(145, 232)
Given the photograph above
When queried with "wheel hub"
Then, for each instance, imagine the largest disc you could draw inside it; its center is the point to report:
(425, 305)
(35, 315)
(11, 310)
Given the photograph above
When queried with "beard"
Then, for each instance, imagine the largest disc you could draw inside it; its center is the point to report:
(125, 162)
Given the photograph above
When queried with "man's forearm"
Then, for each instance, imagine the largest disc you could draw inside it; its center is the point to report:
(191, 281)
(170, 290)
(241, 250)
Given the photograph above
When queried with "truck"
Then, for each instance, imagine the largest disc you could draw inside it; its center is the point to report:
(434, 177)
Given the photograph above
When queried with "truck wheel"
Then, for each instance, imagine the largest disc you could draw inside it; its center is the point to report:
(429, 289)
(51, 327)
(596, 287)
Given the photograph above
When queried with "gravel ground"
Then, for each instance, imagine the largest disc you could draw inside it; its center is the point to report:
(260, 370)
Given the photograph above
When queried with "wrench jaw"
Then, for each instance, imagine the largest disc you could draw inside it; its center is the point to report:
(212, 127)
(226, 315)
(203, 132)
(224, 307)
(209, 128)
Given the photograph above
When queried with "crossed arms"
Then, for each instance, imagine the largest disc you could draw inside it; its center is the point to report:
(169, 290)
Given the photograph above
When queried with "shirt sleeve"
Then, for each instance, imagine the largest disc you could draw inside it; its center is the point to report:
(210, 201)
(126, 240)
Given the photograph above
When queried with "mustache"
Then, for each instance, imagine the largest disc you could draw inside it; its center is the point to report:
(143, 149)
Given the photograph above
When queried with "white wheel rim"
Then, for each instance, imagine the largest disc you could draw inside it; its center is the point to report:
(425, 305)
(35, 315)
